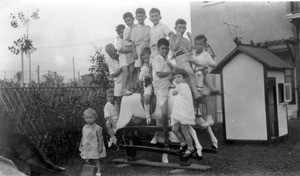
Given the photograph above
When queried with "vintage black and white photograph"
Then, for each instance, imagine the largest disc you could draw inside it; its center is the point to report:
(149, 87)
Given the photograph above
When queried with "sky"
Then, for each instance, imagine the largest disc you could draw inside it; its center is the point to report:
(69, 29)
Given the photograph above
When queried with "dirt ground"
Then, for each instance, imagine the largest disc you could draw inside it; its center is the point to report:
(279, 158)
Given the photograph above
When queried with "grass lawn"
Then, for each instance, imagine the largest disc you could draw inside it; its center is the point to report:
(279, 158)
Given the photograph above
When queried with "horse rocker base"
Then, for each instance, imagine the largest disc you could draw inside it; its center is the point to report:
(160, 164)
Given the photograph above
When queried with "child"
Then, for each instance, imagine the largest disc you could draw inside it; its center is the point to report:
(145, 77)
(139, 38)
(92, 146)
(181, 48)
(182, 116)
(158, 30)
(111, 116)
(115, 72)
(129, 21)
(123, 50)
(202, 61)
(161, 73)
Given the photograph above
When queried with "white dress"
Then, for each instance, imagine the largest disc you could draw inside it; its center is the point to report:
(183, 109)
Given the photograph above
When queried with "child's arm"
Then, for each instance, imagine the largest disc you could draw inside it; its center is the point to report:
(134, 53)
(191, 43)
(116, 73)
(125, 50)
(174, 44)
(100, 139)
(165, 74)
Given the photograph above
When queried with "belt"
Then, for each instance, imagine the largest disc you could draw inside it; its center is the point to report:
(178, 53)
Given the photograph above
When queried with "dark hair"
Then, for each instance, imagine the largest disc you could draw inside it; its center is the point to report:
(146, 50)
(153, 10)
(120, 27)
(200, 37)
(180, 21)
(163, 41)
(180, 72)
(128, 14)
(140, 11)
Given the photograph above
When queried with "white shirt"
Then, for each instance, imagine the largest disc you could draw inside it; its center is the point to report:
(113, 66)
(119, 45)
(157, 32)
(110, 111)
(127, 35)
(204, 59)
(161, 85)
(140, 34)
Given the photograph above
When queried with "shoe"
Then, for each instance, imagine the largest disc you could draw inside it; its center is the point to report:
(148, 121)
(209, 120)
(182, 149)
(214, 145)
(154, 139)
(198, 156)
(165, 158)
(200, 121)
(188, 152)
(127, 92)
(185, 163)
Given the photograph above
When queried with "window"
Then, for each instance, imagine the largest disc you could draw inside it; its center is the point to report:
(287, 93)
(280, 93)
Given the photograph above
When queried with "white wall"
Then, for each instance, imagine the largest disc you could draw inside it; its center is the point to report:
(244, 98)
(281, 107)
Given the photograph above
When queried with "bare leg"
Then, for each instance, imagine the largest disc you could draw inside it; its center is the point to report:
(98, 166)
(125, 80)
(109, 128)
(196, 140)
(213, 138)
(131, 74)
(147, 105)
(192, 81)
(176, 130)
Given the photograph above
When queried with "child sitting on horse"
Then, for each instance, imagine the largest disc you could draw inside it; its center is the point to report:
(145, 77)
(111, 116)
(92, 145)
(183, 116)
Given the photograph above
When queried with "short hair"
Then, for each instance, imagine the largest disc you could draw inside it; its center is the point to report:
(128, 14)
(200, 37)
(90, 111)
(120, 27)
(180, 21)
(163, 41)
(146, 50)
(180, 71)
(109, 48)
(153, 10)
(110, 91)
(140, 11)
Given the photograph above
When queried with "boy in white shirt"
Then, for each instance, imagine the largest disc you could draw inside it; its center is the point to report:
(123, 51)
(158, 30)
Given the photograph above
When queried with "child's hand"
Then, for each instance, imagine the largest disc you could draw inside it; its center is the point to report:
(179, 34)
(189, 35)
(134, 56)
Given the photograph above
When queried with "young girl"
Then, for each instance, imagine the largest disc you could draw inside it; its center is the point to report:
(92, 146)
(183, 116)
(145, 77)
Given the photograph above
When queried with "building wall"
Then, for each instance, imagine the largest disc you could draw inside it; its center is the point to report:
(281, 107)
(244, 99)
(257, 21)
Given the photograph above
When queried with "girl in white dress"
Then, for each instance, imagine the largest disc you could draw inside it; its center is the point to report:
(92, 146)
(183, 116)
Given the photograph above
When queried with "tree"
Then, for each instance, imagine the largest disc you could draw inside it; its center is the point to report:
(52, 79)
(23, 44)
(99, 69)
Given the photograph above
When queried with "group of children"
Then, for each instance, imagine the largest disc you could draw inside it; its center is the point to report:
(141, 53)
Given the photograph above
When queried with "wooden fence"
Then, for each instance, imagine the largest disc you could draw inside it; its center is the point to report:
(50, 116)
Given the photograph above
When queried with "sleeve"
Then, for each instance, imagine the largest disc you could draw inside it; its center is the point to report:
(166, 30)
(156, 66)
(119, 45)
(106, 111)
(210, 60)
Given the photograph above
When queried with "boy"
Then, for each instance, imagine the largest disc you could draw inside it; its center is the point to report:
(115, 72)
(181, 48)
(129, 21)
(139, 38)
(145, 77)
(123, 50)
(110, 114)
(202, 61)
(158, 30)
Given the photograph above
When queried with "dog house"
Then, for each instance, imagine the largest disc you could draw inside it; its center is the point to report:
(254, 103)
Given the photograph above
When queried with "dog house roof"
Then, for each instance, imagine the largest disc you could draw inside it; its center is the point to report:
(262, 55)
